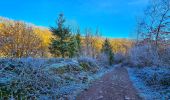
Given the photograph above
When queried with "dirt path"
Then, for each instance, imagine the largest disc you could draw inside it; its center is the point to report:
(115, 85)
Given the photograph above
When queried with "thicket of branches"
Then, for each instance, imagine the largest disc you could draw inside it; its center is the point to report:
(153, 34)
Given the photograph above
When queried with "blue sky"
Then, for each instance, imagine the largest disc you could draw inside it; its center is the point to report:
(114, 18)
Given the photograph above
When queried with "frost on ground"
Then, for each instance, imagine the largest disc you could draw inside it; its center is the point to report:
(153, 83)
(30, 78)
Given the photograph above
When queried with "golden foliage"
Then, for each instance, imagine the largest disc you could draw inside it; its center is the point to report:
(45, 35)
(18, 39)
(121, 45)
(118, 45)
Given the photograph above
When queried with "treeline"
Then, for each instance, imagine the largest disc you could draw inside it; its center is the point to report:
(19, 39)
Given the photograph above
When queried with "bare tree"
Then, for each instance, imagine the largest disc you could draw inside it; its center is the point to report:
(90, 43)
(155, 26)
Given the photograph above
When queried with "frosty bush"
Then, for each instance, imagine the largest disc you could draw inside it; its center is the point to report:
(33, 62)
(67, 66)
(43, 79)
(27, 81)
(88, 64)
(159, 76)
(144, 56)
(55, 60)
(119, 58)
(165, 57)
(153, 83)
(103, 59)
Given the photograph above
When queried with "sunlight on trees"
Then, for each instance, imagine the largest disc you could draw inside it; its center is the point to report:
(107, 50)
(19, 39)
(45, 36)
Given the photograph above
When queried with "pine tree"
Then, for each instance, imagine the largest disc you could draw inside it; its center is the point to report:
(73, 47)
(61, 38)
(107, 50)
(78, 39)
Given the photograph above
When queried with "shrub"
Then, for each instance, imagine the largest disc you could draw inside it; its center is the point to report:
(119, 58)
(88, 64)
(25, 80)
(155, 76)
(34, 78)
(64, 67)
(144, 56)
(55, 60)
(103, 59)
(165, 56)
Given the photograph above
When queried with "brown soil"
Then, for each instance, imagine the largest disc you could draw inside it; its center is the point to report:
(114, 85)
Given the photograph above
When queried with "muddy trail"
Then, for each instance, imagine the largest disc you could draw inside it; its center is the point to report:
(114, 85)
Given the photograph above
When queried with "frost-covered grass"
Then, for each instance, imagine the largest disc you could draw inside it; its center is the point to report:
(38, 78)
(153, 83)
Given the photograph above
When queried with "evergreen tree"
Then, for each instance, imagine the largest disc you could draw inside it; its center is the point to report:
(78, 39)
(61, 38)
(73, 47)
(107, 50)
